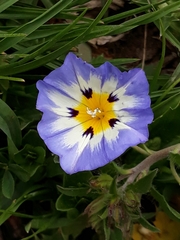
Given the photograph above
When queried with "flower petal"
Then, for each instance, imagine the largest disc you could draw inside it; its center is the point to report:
(78, 152)
(53, 100)
(52, 124)
(118, 139)
(135, 118)
(74, 76)
(134, 93)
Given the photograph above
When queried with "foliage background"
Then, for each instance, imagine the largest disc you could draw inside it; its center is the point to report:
(36, 196)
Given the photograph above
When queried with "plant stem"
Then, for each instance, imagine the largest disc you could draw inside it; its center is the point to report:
(140, 150)
(147, 162)
(174, 173)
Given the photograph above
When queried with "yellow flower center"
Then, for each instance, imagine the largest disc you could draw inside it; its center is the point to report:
(95, 112)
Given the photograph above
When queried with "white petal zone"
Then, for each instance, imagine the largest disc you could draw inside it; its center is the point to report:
(69, 141)
(110, 85)
(111, 135)
(95, 141)
(122, 90)
(125, 116)
(95, 83)
(82, 143)
(49, 126)
(126, 101)
(73, 91)
(136, 119)
(83, 85)
(74, 136)
(61, 103)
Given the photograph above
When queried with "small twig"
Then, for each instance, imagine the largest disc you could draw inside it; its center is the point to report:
(144, 46)
(145, 165)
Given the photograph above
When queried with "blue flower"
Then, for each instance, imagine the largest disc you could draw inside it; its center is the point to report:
(92, 115)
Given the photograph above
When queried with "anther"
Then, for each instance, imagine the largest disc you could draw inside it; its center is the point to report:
(93, 113)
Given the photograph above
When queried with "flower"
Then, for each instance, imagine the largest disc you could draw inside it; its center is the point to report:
(92, 115)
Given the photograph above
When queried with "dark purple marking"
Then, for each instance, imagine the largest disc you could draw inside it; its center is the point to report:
(113, 121)
(112, 98)
(89, 131)
(87, 93)
(73, 112)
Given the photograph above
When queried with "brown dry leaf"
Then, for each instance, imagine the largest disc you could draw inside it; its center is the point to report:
(169, 229)
(115, 5)
(105, 39)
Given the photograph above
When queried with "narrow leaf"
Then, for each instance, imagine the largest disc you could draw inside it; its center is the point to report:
(4, 4)
(9, 123)
(171, 212)
(147, 225)
(31, 26)
(81, 191)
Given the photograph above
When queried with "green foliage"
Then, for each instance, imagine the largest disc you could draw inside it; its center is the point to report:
(172, 213)
(145, 182)
(7, 184)
(33, 187)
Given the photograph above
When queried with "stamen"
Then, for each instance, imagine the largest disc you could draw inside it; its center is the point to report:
(93, 113)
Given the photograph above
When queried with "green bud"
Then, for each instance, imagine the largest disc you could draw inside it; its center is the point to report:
(103, 181)
(131, 200)
(97, 205)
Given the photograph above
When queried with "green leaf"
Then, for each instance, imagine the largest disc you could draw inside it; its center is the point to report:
(65, 203)
(9, 123)
(144, 184)
(113, 187)
(8, 184)
(56, 223)
(19, 171)
(15, 204)
(72, 214)
(4, 4)
(164, 128)
(171, 212)
(63, 49)
(77, 180)
(147, 225)
(32, 138)
(29, 155)
(76, 227)
(73, 192)
(53, 169)
(46, 225)
(166, 105)
(116, 234)
(11, 79)
(31, 168)
(31, 26)
(12, 208)
(175, 156)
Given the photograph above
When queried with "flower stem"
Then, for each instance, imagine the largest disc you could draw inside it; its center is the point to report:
(140, 150)
(147, 162)
(174, 173)
(149, 151)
